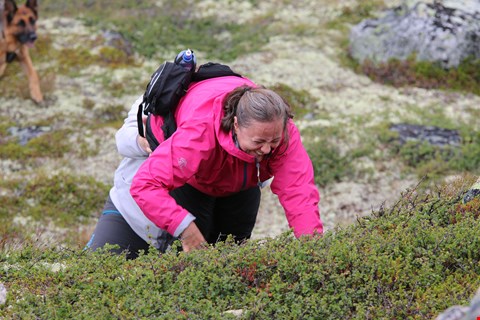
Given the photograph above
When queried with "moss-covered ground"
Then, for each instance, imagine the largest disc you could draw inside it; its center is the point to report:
(408, 261)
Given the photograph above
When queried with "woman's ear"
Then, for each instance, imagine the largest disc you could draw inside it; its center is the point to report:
(235, 124)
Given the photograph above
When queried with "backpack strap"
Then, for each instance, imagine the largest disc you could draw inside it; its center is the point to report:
(140, 120)
(166, 86)
(152, 140)
(206, 71)
(213, 70)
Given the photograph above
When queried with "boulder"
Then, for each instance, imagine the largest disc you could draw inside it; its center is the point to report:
(445, 31)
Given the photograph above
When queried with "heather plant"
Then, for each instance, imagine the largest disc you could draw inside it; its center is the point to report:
(406, 261)
(435, 161)
(58, 143)
(49, 144)
(355, 12)
(334, 156)
(300, 101)
(329, 163)
(424, 74)
(62, 197)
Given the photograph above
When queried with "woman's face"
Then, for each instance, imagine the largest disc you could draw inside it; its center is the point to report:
(259, 138)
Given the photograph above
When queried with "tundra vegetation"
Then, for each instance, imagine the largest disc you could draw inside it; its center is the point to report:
(411, 259)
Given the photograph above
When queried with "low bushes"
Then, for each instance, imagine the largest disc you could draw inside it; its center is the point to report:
(412, 260)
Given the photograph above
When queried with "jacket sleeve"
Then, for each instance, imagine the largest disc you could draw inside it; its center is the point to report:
(294, 185)
(170, 166)
(126, 136)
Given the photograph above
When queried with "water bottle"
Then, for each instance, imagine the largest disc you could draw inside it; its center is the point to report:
(473, 192)
(187, 60)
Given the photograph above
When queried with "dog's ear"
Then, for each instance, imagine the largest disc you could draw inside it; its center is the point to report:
(33, 5)
(10, 9)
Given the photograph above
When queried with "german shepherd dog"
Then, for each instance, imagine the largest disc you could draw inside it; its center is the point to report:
(19, 34)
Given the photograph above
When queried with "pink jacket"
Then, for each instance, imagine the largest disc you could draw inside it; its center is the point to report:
(201, 154)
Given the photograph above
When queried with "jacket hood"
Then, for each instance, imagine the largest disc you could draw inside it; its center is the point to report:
(225, 139)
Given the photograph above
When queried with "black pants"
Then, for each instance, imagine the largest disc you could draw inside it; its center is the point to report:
(216, 217)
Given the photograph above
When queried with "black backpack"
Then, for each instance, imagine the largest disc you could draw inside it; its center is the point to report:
(168, 84)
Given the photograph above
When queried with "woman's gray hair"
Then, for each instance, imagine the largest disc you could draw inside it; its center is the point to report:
(250, 104)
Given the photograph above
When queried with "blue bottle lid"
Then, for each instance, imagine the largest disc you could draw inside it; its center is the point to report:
(187, 55)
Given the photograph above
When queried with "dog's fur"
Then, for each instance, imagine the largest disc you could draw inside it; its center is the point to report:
(19, 35)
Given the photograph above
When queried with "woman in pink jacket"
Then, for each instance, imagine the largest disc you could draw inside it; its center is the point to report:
(203, 183)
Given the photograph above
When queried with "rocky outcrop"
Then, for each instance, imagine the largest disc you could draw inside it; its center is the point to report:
(446, 32)
(433, 135)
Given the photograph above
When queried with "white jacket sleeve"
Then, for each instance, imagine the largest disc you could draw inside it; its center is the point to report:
(126, 136)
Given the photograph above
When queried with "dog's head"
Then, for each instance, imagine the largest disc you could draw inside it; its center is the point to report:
(22, 20)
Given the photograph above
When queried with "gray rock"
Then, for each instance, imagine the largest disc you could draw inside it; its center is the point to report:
(118, 41)
(28, 133)
(473, 192)
(446, 32)
(434, 135)
(470, 312)
(3, 294)
(453, 313)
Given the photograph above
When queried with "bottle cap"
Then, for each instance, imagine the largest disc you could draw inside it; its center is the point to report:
(187, 56)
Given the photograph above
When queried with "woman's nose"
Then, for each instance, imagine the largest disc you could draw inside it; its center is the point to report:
(266, 148)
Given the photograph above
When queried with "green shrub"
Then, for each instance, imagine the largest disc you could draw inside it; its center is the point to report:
(437, 161)
(300, 101)
(353, 14)
(159, 29)
(50, 144)
(332, 163)
(468, 158)
(424, 74)
(63, 198)
(412, 260)
(114, 57)
(329, 164)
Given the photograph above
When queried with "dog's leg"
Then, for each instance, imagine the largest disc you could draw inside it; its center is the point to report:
(3, 56)
(3, 42)
(3, 64)
(33, 81)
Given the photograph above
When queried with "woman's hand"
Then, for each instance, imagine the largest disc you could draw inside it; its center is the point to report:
(143, 143)
(192, 238)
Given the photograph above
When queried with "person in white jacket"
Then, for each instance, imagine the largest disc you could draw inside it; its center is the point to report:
(121, 212)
